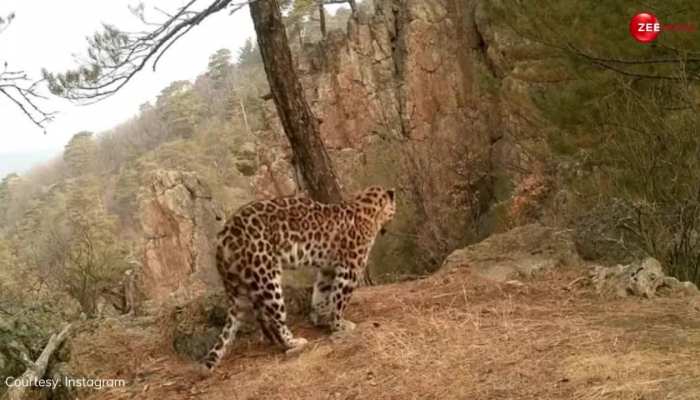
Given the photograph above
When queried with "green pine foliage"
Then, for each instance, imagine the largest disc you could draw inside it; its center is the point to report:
(220, 66)
(249, 54)
(623, 114)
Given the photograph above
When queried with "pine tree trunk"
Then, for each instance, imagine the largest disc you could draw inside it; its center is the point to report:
(353, 7)
(299, 123)
(322, 18)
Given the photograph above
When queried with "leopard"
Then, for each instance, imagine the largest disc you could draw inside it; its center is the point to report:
(265, 237)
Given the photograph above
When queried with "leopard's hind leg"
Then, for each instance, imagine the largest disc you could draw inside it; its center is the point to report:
(266, 294)
(240, 311)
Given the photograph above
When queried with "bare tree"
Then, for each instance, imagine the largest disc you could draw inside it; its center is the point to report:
(17, 87)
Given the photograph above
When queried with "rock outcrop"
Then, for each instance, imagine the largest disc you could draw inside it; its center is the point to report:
(526, 250)
(402, 73)
(645, 278)
(520, 252)
(179, 221)
(399, 105)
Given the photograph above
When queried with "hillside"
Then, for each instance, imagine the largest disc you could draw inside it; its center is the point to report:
(546, 241)
(454, 335)
(445, 337)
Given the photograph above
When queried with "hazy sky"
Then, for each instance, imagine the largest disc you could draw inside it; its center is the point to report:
(47, 34)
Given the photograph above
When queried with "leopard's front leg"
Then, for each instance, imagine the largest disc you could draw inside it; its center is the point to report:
(320, 300)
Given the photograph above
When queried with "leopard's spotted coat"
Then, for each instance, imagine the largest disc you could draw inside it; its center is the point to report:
(264, 237)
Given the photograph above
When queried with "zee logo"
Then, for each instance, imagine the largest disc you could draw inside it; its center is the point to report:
(645, 27)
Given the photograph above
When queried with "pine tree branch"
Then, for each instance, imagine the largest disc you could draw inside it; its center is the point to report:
(25, 99)
(15, 86)
(619, 65)
(5, 22)
(612, 60)
(115, 57)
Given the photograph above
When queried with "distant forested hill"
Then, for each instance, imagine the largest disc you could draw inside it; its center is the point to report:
(22, 162)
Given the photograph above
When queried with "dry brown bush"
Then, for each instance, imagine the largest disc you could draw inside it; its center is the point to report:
(450, 186)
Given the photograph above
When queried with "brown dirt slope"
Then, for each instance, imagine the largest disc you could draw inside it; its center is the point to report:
(451, 336)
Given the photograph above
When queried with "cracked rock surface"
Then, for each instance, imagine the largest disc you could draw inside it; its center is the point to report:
(644, 278)
(179, 220)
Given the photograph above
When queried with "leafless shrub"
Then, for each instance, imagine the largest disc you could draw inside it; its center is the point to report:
(450, 186)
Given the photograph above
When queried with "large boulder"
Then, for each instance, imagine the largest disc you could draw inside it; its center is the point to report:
(522, 251)
(180, 220)
(645, 278)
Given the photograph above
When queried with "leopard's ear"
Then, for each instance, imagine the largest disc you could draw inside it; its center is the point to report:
(390, 192)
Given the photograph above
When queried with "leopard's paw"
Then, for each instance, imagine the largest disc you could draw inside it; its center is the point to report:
(343, 325)
(296, 345)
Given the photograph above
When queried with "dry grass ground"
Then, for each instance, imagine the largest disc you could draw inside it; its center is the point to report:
(450, 336)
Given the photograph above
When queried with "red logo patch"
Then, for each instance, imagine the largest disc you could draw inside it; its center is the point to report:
(645, 27)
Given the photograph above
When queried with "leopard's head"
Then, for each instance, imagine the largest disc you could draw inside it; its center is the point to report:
(378, 204)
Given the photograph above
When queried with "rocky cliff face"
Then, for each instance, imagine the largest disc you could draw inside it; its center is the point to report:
(403, 74)
(406, 98)
(179, 220)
